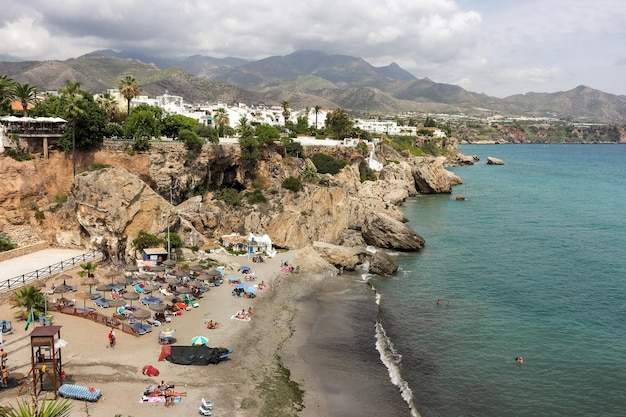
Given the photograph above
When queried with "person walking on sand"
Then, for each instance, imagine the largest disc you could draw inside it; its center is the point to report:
(111, 338)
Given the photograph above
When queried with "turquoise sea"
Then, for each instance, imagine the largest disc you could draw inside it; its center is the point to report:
(533, 263)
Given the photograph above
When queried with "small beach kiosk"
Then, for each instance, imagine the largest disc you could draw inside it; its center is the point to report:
(154, 255)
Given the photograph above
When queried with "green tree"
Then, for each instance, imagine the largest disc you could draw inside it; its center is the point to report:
(86, 121)
(72, 88)
(207, 132)
(129, 89)
(175, 240)
(339, 123)
(250, 153)
(292, 148)
(267, 134)
(172, 124)
(26, 94)
(88, 268)
(192, 141)
(47, 408)
(430, 122)
(142, 125)
(221, 121)
(73, 110)
(286, 112)
(302, 125)
(145, 240)
(229, 196)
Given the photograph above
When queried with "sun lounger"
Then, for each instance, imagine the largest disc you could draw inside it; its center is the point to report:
(77, 392)
(101, 302)
(151, 299)
(141, 328)
(139, 289)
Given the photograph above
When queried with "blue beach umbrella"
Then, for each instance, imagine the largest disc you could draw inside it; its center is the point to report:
(245, 268)
(242, 285)
(251, 290)
(199, 340)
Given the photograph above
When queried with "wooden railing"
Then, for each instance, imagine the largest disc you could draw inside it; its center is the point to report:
(20, 281)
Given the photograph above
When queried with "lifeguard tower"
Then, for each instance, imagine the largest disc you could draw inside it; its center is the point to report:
(47, 369)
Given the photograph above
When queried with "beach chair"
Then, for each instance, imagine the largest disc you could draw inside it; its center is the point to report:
(77, 392)
(101, 302)
(139, 289)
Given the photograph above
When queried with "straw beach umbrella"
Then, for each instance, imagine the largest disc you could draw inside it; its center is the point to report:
(84, 296)
(131, 268)
(158, 307)
(130, 296)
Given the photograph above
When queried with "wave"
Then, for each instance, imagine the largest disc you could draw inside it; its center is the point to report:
(389, 356)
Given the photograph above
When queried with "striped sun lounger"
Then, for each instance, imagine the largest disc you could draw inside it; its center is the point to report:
(77, 392)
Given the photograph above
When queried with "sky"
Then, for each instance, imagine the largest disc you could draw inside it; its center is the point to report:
(495, 47)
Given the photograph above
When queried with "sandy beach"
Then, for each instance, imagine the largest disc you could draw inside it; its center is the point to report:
(253, 382)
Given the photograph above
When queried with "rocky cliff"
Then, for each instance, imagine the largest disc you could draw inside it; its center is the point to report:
(107, 207)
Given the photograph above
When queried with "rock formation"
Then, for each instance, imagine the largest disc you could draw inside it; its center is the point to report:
(494, 161)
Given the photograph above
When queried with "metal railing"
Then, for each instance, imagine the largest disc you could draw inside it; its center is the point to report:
(20, 281)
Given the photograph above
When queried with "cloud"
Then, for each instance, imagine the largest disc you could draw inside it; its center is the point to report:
(499, 47)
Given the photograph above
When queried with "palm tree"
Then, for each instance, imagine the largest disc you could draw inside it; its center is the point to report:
(286, 112)
(7, 89)
(26, 94)
(72, 88)
(317, 110)
(89, 269)
(221, 120)
(27, 298)
(108, 103)
(50, 408)
(129, 88)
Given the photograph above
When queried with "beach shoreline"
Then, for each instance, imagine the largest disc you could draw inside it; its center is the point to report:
(235, 386)
(284, 361)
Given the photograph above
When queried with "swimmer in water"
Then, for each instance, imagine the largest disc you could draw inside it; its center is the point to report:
(519, 360)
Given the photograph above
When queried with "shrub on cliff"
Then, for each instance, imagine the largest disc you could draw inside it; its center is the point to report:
(192, 141)
(230, 196)
(292, 183)
(5, 242)
(327, 164)
(256, 197)
(146, 240)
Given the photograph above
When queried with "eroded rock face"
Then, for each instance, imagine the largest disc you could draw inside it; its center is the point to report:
(383, 231)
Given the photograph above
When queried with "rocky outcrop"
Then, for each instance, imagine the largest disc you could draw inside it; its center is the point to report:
(381, 263)
(431, 177)
(340, 256)
(494, 161)
(383, 231)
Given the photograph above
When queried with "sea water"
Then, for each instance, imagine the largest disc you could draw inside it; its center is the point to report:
(533, 265)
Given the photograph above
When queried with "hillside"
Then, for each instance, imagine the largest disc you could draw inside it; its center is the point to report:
(309, 78)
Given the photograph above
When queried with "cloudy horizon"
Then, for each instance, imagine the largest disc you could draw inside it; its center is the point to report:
(496, 47)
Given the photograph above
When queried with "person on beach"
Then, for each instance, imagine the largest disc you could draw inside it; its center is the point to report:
(111, 338)
(250, 311)
(5, 377)
(211, 324)
(3, 358)
(261, 285)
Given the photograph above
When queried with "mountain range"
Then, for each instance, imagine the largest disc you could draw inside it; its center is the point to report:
(306, 79)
